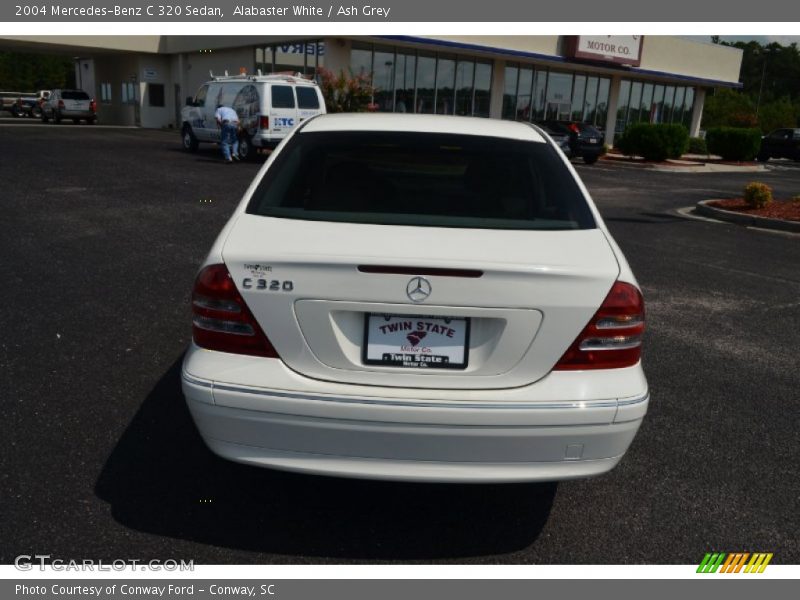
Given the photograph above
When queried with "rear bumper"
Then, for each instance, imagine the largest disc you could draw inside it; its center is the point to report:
(413, 439)
(589, 150)
(77, 114)
(261, 140)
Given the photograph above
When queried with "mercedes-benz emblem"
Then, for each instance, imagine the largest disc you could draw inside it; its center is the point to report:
(418, 289)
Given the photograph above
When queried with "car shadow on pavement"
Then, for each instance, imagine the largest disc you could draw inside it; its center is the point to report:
(161, 479)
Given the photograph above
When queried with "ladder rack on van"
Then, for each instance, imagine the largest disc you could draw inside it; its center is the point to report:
(288, 77)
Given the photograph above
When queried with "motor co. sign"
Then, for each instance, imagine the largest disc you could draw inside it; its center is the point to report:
(622, 49)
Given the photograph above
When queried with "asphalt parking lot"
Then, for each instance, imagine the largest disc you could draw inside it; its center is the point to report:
(102, 232)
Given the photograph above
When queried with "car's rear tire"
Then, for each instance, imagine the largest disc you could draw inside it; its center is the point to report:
(45, 119)
(762, 157)
(56, 117)
(189, 142)
(76, 121)
(590, 159)
(36, 113)
(91, 121)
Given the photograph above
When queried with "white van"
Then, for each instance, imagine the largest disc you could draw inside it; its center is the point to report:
(269, 107)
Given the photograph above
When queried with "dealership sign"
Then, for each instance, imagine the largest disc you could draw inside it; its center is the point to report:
(621, 49)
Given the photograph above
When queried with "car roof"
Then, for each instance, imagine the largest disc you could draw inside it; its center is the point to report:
(423, 124)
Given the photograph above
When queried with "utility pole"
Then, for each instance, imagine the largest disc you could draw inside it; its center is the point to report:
(761, 86)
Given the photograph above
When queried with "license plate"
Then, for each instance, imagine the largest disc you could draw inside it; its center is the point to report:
(592, 140)
(416, 342)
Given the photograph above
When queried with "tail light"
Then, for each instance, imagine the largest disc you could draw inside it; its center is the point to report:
(60, 104)
(573, 127)
(93, 106)
(220, 318)
(613, 338)
(263, 122)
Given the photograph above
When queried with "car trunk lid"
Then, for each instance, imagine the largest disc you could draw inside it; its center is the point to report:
(525, 295)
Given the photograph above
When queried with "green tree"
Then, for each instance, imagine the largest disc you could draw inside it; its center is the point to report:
(728, 108)
(777, 114)
(770, 94)
(21, 72)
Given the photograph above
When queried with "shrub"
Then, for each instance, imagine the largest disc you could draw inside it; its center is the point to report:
(734, 143)
(654, 142)
(757, 195)
(346, 92)
(697, 145)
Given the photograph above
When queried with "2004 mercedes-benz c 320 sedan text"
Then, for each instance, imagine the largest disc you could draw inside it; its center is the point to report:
(416, 297)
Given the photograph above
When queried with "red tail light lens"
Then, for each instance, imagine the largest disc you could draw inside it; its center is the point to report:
(613, 338)
(220, 318)
(573, 127)
(93, 106)
(263, 122)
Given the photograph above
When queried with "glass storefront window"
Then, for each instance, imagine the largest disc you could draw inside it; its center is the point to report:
(539, 91)
(646, 114)
(426, 83)
(578, 98)
(559, 96)
(601, 114)
(523, 107)
(622, 106)
(294, 57)
(361, 61)
(688, 106)
(511, 76)
(465, 71)
(641, 102)
(590, 102)
(635, 103)
(658, 104)
(677, 108)
(383, 80)
(445, 86)
(404, 74)
(669, 96)
(483, 89)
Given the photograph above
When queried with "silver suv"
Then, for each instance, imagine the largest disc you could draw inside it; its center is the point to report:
(69, 104)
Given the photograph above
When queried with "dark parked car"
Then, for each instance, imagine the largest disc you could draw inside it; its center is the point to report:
(560, 137)
(781, 143)
(585, 140)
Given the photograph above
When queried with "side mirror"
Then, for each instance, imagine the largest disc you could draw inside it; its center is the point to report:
(189, 101)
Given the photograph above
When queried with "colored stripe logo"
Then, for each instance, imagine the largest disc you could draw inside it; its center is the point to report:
(734, 562)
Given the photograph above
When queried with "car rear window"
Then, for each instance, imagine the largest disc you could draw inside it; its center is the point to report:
(307, 97)
(587, 129)
(422, 179)
(76, 95)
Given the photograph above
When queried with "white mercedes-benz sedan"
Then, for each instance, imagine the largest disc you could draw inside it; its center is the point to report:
(414, 297)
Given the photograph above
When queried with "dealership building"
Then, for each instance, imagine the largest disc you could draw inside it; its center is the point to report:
(609, 81)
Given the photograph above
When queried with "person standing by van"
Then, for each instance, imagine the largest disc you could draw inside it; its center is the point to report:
(228, 122)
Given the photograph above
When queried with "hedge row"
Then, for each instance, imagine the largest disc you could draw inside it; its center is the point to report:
(654, 142)
(734, 143)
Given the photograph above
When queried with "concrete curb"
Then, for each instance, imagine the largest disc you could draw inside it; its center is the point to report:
(686, 166)
(730, 216)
